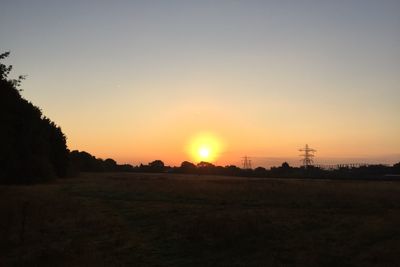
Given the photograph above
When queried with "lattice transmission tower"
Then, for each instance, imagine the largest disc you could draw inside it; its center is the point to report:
(308, 156)
(246, 163)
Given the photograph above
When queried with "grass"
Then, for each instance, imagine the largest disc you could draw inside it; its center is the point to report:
(122, 219)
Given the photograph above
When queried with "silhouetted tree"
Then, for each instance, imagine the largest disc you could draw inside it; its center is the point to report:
(206, 168)
(33, 148)
(260, 172)
(156, 166)
(110, 165)
(125, 168)
(82, 161)
(285, 166)
(233, 170)
(187, 167)
(204, 164)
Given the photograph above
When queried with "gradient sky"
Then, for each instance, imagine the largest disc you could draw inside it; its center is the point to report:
(136, 80)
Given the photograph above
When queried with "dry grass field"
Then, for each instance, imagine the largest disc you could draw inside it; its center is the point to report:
(121, 219)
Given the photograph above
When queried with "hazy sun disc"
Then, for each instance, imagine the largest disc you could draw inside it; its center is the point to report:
(204, 147)
(204, 152)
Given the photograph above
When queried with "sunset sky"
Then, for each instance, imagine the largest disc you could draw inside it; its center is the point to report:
(143, 80)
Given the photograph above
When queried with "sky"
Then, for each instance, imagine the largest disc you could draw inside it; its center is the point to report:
(141, 80)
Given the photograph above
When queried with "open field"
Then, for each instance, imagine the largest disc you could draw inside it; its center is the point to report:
(118, 219)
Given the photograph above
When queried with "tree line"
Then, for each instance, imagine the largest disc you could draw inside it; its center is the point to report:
(83, 161)
(33, 149)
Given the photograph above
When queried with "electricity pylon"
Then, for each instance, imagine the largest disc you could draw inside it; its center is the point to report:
(246, 163)
(307, 156)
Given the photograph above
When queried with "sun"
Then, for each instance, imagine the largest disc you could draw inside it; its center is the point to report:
(204, 152)
(204, 147)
